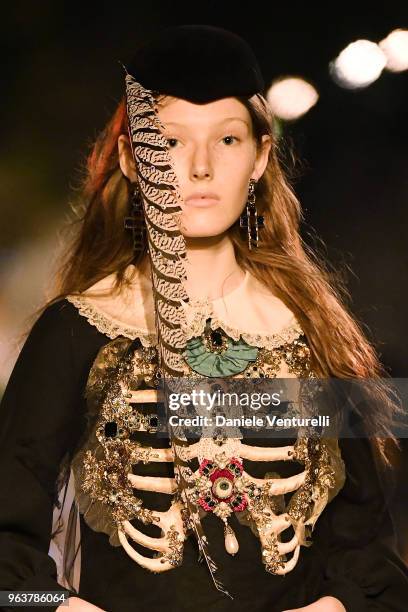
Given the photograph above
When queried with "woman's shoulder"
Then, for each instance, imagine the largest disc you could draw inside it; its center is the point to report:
(58, 316)
(60, 329)
(53, 318)
(128, 312)
(56, 353)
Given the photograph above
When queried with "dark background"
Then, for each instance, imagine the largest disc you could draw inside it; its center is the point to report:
(61, 80)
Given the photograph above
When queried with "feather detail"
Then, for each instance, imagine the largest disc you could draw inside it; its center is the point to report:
(157, 183)
(158, 186)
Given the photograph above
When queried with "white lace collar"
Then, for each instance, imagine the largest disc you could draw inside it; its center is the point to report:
(107, 324)
(197, 311)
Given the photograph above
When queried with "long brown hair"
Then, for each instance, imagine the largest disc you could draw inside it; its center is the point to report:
(303, 280)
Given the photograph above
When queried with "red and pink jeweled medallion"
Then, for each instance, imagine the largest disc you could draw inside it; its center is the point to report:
(222, 486)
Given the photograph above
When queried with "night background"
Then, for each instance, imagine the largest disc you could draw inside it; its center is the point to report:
(61, 81)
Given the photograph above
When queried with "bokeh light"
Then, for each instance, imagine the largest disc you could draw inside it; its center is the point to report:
(358, 65)
(291, 97)
(395, 48)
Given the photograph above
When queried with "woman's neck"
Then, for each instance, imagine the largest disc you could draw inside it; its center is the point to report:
(211, 267)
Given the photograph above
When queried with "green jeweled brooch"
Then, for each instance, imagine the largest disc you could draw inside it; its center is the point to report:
(214, 353)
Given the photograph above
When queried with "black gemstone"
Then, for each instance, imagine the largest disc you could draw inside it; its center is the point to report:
(216, 388)
(111, 429)
(153, 421)
(216, 338)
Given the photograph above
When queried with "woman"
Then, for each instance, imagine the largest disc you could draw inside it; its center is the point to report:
(219, 294)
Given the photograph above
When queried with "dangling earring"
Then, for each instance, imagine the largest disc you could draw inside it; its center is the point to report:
(136, 222)
(250, 219)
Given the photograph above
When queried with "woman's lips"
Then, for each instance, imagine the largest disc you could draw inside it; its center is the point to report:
(201, 202)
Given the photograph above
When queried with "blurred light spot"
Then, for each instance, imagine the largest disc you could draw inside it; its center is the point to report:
(358, 65)
(291, 97)
(395, 48)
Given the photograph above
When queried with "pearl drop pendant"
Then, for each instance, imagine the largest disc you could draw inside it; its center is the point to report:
(231, 542)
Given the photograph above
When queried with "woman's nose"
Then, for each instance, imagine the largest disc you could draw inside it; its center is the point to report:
(201, 166)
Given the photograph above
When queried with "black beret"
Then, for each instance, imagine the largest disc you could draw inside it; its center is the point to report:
(198, 63)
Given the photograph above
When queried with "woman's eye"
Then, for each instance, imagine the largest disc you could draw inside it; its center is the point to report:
(229, 139)
(171, 142)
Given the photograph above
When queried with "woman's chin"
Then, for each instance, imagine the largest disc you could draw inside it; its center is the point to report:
(203, 232)
(204, 228)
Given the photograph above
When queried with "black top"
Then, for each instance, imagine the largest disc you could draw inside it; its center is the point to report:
(353, 556)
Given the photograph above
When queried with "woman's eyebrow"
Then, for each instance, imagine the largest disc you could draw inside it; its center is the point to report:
(220, 122)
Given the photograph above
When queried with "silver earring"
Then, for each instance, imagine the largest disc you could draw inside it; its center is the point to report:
(250, 220)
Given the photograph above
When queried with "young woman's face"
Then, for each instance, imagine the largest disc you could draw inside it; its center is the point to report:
(214, 157)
